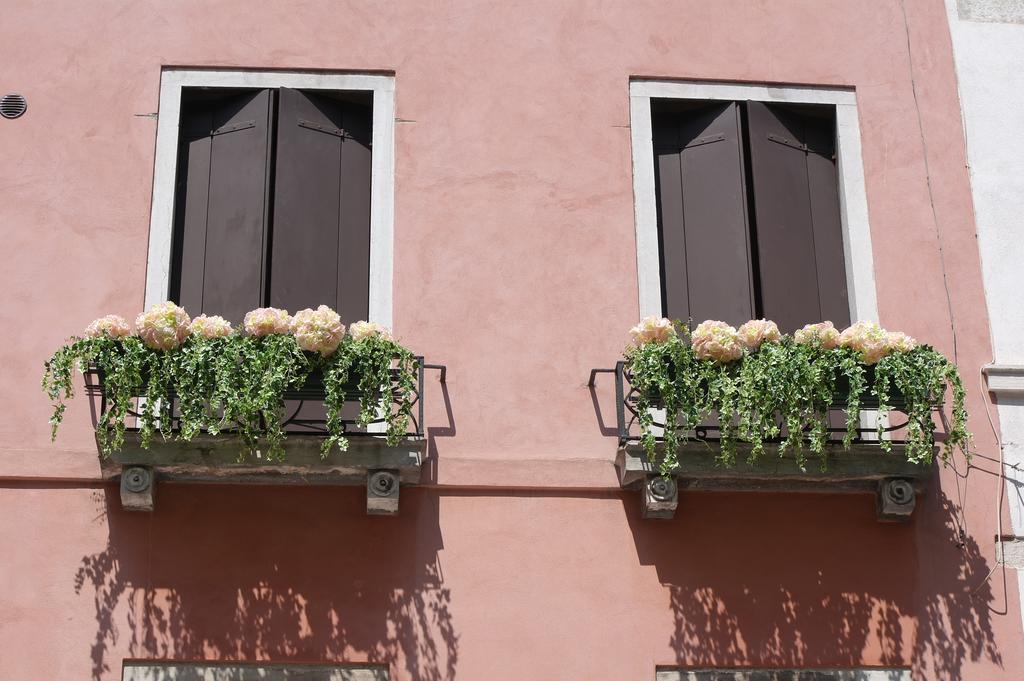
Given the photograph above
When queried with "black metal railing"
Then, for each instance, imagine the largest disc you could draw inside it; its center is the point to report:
(303, 409)
(628, 428)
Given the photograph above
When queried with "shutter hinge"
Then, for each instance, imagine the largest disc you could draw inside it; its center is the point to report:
(233, 127)
(793, 144)
(330, 130)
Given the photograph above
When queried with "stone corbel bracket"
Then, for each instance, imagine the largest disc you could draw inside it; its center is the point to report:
(368, 461)
(864, 468)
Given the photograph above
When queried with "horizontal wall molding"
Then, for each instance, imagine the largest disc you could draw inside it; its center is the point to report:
(1010, 552)
(991, 11)
(548, 473)
(1005, 379)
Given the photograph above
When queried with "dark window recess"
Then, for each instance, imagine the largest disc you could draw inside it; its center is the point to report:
(272, 202)
(748, 213)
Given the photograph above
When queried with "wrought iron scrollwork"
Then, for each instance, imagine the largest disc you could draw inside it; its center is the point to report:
(303, 411)
(627, 417)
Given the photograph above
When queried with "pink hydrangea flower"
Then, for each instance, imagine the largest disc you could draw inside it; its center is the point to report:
(899, 342)
(717, 341)
(264, 321)
(213, 326)
(318, 330)
(652, 330)
(823, 333)
(867, 338)
(114, 326)
(757, 331)
(163, 327)
(361, 330)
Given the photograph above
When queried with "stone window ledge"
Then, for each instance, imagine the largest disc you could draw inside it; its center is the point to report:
(864, 468)
(215, 458)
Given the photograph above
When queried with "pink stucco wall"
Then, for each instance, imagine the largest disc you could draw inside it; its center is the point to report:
(515, 265)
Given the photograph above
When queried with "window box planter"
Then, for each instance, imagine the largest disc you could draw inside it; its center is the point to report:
(288, 402)
(368, 460)
(780, 436)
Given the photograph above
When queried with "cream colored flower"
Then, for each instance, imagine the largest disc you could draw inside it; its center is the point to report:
(757, 331)
(213, 326)
(318, 330)
(114, 326)
(652, 330)
(823, 333)
(717, 341)
(867, 338)
(361, 330)
(264, 321)
(163, 327)
(899, 342)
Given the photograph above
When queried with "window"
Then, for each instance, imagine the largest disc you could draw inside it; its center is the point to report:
(174, 671)
(876, 674)
(273, 188)
(750, 203)
(748, 212)
(272, 202)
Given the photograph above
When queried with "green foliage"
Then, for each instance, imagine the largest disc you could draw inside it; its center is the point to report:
(783, 392)
(123, 363)
(365, 367)
(233, 384)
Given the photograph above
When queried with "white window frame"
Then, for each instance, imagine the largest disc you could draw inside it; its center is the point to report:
(739, 674)
(216, 671)
(382, 188)
(853, 204)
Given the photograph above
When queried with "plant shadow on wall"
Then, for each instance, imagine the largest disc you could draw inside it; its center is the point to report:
(761, 580)
(272, 573)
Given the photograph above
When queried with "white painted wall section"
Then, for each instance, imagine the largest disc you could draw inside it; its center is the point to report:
(988, 47)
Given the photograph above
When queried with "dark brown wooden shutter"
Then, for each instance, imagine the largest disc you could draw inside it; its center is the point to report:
(321, 236)
(702, 220)
(797, 221)
(221, 204)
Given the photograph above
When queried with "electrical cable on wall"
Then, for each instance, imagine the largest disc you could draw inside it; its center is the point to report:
(1001, 475)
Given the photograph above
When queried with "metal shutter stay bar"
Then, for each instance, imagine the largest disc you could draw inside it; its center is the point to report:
(233, 127)
(337, 132)
(710, 139)
(785, 141)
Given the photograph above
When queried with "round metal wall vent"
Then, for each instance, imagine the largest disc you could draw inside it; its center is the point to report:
(12, 105)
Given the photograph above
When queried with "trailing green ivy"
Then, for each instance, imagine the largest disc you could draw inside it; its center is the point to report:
(233, 384)
(366, 365)
(783, 391)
